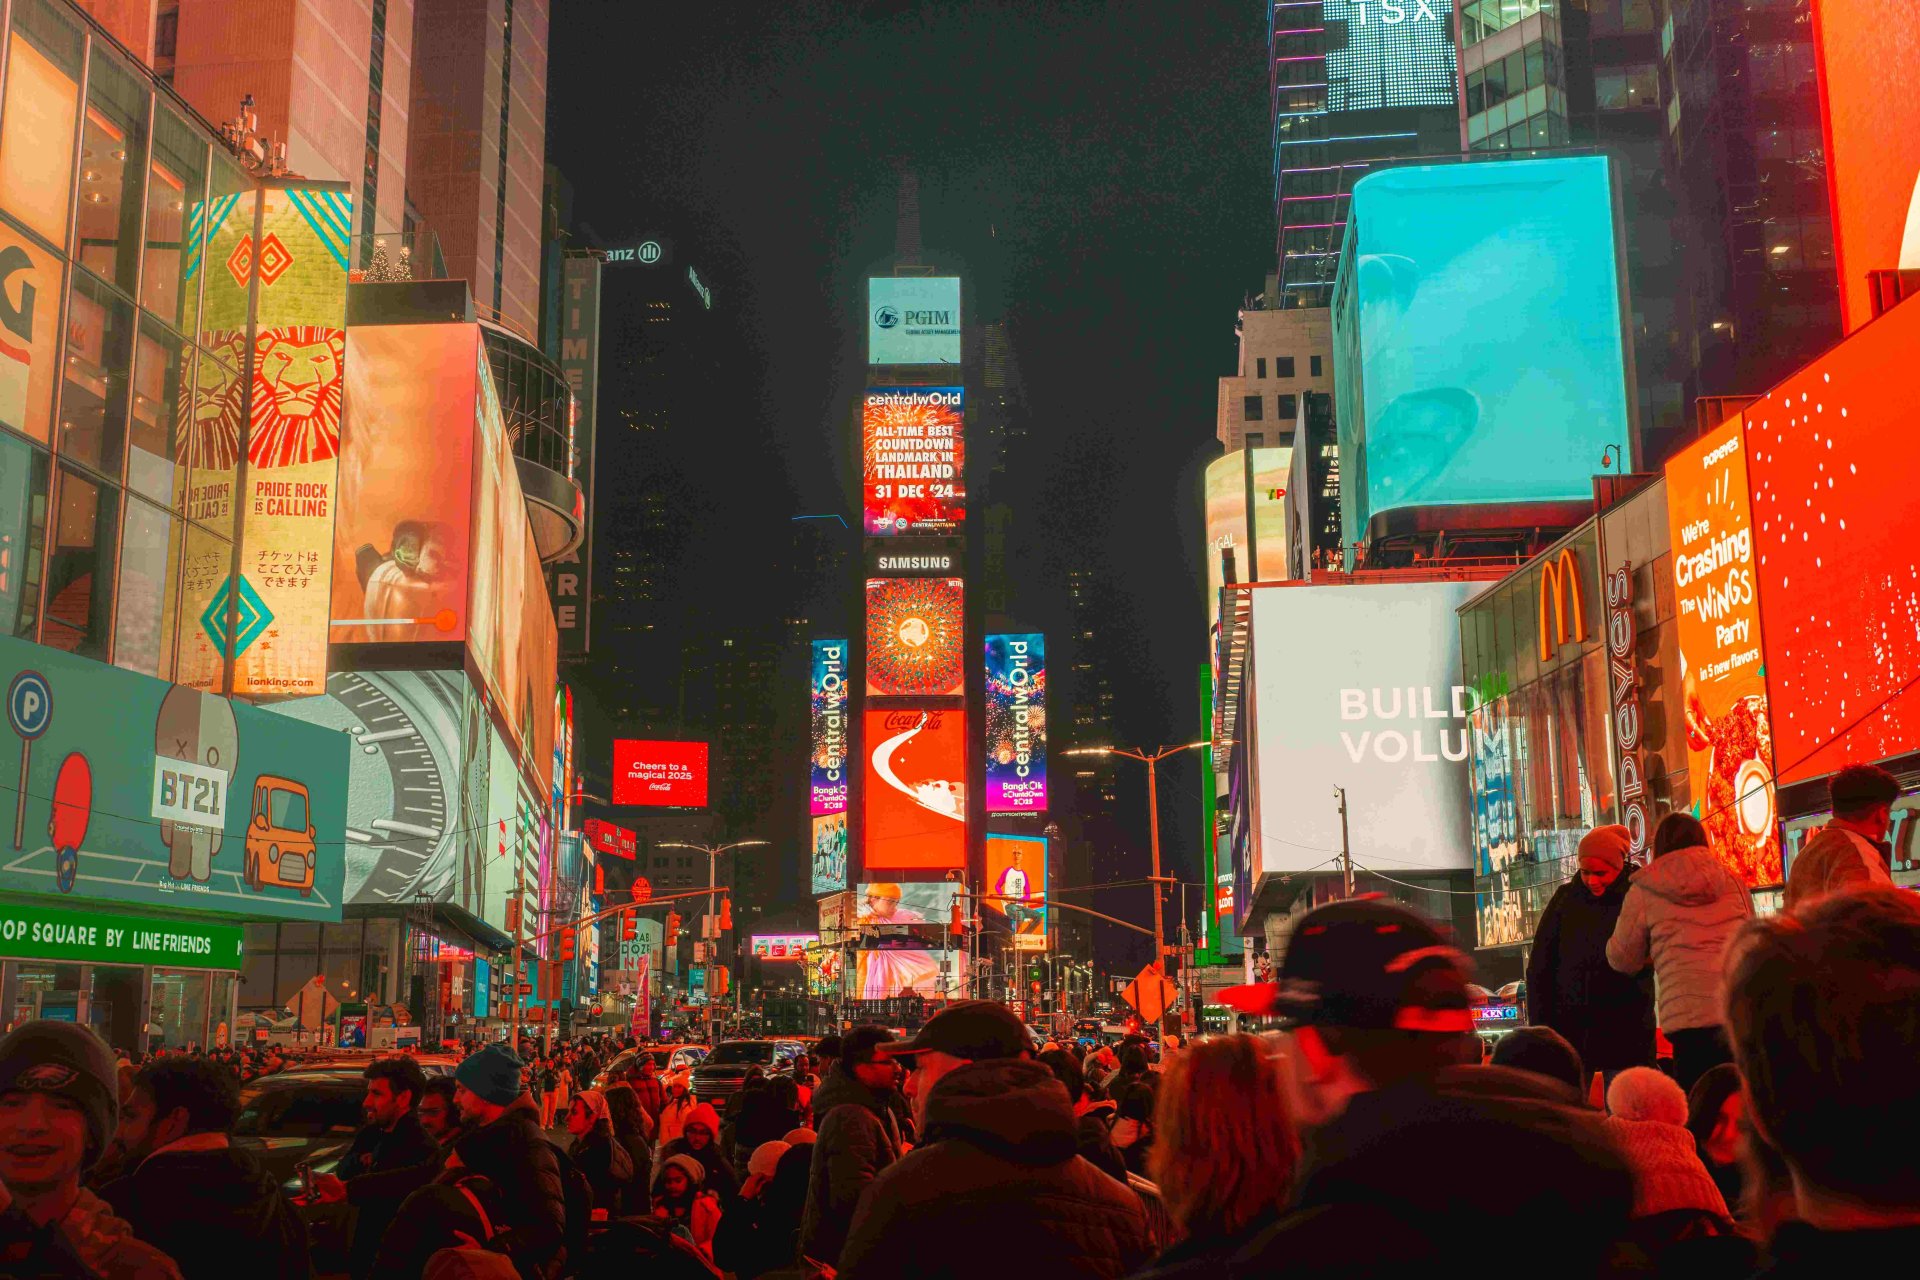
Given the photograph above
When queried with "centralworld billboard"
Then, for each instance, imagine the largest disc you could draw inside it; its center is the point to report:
(827, 713)
(1016, 706)
(913, 468)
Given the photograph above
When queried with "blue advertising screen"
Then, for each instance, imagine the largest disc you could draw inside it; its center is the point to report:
(1478, 336)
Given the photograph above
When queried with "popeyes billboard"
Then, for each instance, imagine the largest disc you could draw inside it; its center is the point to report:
(1868, 65)
(660, 774)
(1730, 758)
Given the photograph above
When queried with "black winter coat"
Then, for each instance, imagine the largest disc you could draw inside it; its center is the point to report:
(1606, 1015)
(858, 1137)
(1382, 1192)
(607, 1166)
(514, 1153)
(998, 1188)
(761, 1234)
(381, 1169)
(215, 1211)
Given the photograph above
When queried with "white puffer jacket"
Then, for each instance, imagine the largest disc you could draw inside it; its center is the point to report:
(1680, 913)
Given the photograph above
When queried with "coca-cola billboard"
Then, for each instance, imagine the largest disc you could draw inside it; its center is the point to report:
(914, 800)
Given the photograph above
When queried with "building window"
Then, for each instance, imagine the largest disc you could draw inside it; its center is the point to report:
(1260, 366)
(80, 571)
(1256, 439)
(1626, 88)
(1283, 366)
(1313, 365)
(1289, 407)
(1251, 409)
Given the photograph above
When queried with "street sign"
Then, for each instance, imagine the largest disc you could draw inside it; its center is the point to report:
(526, 988)
(1150, 994)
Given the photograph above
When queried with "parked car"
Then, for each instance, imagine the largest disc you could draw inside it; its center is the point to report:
(724, 1070)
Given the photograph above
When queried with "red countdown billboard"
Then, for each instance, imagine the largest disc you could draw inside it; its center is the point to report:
(914, 460)
(660, 774)
(1867, 69)
(915, 797)
(1839, 569)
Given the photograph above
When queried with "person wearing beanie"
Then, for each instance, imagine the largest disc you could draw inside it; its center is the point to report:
(759, 1233)
(680, 1198)
(1606, 1016)
(673, 1114)
(700, 1139)
(1647, 1118)
(59, 1107)
(506, 1144)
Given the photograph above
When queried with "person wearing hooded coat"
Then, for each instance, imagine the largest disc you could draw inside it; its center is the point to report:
(1607, 1016)
(600, 1157)
(1680, 913)
(700, 1138)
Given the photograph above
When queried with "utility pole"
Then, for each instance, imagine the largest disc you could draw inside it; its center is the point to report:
(1346, 853)
(519, 948)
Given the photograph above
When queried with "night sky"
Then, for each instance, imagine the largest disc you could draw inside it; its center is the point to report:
(1101, 169)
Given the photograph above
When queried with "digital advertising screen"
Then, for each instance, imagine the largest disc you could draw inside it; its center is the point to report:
(783, 946)
(824, 966)
(1016, 893)
(1445, 264)
(886, 902)
(913, 469)
(1723, 669)
(1246, 511)
(914, 794)
(660, 774)
(1017, 723)
(916, 632)
(402, 532)
(1867, 67)
(827, 714)
(1834, 513)
(1357, 687)
(1390, 53)
(913, 320)
(882, 973)
(829, 863)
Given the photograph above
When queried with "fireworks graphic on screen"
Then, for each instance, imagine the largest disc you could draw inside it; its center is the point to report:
(914, 633)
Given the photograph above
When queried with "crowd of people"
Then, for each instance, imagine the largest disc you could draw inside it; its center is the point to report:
(1367, 1136)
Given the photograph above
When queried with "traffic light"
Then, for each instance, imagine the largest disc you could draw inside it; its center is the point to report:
(513, 914)
(599, 879)
(720, 980)
(567, 939)
(673, 927)
(957, 922)
(726, 914)
(629, 927)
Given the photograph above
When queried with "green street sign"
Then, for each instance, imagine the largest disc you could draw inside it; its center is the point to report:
(31, 931)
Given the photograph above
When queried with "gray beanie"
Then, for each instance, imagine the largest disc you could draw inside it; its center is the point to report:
(44, 1056)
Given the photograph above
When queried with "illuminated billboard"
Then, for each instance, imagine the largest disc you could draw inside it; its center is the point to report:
(1446, 264)
(1246, 497)
(403, 530)
(1717, 615)
(916, 630)
(914, 794)
(30, 289)
(570, 577)
(886, 902)
(1357, 687)
(828, 733)
(1016, 704)
(913, 449)
(1867, 66)
(130, 789)
(783, 946)
(610, 840)
(671, 774)
(1016, 893)
(883, 973)
(913, 320)
(829, 861)
(1388, 53)
(823, 970)
(1834, 513)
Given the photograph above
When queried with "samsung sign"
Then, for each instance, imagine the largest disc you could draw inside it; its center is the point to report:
(913, 320)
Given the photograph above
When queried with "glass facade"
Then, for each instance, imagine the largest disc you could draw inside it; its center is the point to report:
(1542, 755)
(107, 400)
(132, 1007)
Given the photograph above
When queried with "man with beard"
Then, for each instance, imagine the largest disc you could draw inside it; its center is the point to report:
(190, 1192)
(391, 1157)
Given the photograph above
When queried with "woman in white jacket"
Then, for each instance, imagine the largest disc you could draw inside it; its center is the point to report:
(1680, 913)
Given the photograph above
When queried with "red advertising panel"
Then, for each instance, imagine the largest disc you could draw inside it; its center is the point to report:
(914, 460)
(1834, 513)
(1717, 613)
(915, 634)
(915, 797)
(669, 774)
(610, 841)
(1868, 65)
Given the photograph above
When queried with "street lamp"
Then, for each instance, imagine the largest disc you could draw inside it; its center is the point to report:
(713, 852)
(1151, 760)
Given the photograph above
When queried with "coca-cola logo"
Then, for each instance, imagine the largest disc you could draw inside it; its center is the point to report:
(900, 721)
